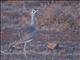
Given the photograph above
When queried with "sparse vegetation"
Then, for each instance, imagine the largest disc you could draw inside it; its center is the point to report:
(58, 22)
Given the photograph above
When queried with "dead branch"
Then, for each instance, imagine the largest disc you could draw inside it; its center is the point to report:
(24, 49)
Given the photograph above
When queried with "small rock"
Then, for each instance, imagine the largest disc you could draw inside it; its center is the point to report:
(51, 45)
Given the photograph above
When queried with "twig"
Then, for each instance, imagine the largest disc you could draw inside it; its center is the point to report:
(24, 49)
(7, 53)
(26, 52)
(20, 41)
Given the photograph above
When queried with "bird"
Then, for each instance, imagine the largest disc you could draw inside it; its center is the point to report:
(28, 29)
(32, 27)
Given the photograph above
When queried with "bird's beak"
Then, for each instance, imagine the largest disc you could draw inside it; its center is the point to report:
(37, 11)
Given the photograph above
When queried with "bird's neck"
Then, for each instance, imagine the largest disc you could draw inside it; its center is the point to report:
(33, 20)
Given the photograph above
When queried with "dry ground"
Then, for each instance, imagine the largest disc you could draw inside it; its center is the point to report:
(58, 22)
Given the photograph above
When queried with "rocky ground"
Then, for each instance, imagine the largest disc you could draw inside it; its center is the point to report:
(57, 25)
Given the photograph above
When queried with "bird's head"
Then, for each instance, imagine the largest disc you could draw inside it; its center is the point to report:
(34, 11)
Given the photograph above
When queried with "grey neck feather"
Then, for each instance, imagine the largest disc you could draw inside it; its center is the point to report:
(33, 20)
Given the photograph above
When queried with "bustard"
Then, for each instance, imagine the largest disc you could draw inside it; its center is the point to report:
(29, 29)
(32, 27)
